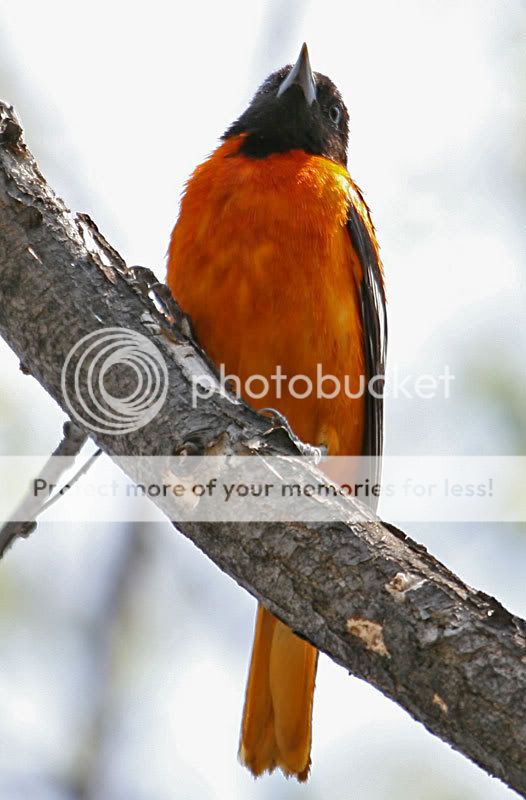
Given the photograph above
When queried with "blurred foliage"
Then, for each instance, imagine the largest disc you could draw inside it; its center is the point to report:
(498, 384)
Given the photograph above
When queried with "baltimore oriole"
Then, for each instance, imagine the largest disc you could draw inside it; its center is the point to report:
(275, 260)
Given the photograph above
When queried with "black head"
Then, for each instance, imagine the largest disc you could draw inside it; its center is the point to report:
(295, 109)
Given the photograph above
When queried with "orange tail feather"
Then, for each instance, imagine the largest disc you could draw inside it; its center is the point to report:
(277, 718)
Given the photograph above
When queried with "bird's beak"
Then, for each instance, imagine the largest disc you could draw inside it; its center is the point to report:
(301, 75)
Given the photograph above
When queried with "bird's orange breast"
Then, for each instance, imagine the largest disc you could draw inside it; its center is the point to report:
(262, 261)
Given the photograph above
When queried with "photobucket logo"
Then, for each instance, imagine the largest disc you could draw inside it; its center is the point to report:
(86, 376)
(325, 386)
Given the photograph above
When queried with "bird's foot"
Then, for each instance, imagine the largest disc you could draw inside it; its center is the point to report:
(145, 283)
(280, 422)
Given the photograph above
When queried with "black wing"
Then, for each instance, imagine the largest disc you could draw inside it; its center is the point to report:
(374, 321)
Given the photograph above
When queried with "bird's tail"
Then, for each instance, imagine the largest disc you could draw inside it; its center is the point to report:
(277, 718)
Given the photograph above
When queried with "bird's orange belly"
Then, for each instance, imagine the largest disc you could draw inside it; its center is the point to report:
(270, 281)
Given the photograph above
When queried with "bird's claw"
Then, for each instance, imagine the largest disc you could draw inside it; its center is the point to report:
(145, 282)
(279, 421)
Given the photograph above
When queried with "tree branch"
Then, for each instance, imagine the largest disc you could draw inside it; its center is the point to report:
(364, 593)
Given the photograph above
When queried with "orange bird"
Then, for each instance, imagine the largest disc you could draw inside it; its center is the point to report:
(274, 258)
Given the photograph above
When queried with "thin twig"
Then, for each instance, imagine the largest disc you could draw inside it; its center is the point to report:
(31, 506)
(71, 483)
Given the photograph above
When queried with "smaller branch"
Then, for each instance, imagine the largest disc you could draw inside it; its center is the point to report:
(71, 483)
(74, 439)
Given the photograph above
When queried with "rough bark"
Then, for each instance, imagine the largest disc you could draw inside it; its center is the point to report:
(364, 593)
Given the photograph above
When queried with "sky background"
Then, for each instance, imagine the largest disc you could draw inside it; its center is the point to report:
(123, 649)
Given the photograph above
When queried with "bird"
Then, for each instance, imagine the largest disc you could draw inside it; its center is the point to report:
(275, 260)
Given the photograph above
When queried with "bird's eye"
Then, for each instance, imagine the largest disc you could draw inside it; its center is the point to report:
(335, 114)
